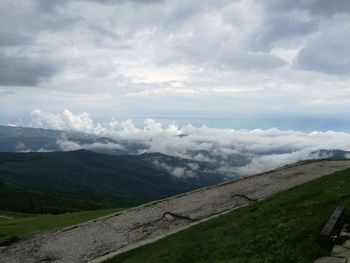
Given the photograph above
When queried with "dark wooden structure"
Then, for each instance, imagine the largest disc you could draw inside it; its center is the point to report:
(332, 228)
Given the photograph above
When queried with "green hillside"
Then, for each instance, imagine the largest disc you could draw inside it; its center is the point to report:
(122, 180)
(14, 226)
(20, 199)
(283, 228)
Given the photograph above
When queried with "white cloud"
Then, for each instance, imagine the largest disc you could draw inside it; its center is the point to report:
(65, 121)
(66, 145)
(176, 170)
(264, 149)
(108, 57)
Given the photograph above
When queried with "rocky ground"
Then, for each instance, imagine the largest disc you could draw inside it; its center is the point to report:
(102, 238)
(340, 252)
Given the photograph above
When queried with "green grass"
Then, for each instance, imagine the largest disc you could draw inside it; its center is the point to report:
(283, 228)
(19, 225)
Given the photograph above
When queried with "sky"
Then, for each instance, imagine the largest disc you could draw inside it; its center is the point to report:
(241, 64)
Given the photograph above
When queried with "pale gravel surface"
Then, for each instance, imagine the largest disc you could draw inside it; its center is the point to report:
(99, 239)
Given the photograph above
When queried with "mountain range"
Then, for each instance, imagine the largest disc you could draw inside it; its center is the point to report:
(34, 163)
(122, 180)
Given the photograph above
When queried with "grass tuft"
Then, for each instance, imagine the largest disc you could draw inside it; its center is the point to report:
(14, 226)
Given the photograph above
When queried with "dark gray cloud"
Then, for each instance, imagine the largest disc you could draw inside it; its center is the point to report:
(249, 61)
(325, 58)
(52, 5)
(24, 61)
(24, 71)
(10, 38)
(25, 20)
(281, 30)
(16, 23)
(326, 7)
(213, 36)
(327, 52)
(209, 51)
(315, 7)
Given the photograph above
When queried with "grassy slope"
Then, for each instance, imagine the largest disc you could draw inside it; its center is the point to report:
(123, 180)
(17, 225)
(20, 199)
(282, 228)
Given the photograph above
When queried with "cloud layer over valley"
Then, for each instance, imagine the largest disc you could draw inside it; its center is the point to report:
(232, 152)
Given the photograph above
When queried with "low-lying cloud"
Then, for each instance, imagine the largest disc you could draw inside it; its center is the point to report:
(232, 151)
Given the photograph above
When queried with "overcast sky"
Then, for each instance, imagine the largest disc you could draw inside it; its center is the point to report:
(260, 60)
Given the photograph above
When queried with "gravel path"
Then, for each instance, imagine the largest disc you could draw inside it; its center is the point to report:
(99, 239)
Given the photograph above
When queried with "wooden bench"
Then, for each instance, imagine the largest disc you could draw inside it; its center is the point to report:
(332, 228)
